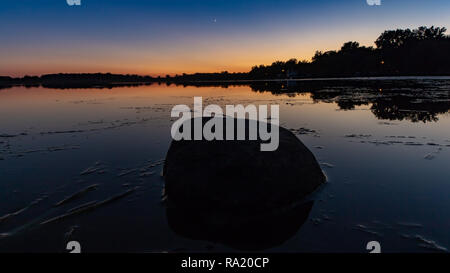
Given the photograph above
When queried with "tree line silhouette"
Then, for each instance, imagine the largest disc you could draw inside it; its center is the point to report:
(77, 80)
(423, 51)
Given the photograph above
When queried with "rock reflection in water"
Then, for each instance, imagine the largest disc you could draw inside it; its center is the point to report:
(239, 230)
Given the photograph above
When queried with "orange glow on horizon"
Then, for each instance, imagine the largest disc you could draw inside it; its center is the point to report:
(233, 55)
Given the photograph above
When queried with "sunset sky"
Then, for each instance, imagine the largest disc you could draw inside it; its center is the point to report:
(159, 37)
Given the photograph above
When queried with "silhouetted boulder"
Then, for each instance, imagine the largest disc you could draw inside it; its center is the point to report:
(238, 175)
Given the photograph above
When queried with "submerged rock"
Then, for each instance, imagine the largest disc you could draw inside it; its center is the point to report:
(429, 244)
(77, 195)
(238, 175)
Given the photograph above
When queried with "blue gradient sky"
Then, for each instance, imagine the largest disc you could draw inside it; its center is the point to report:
(173, 36)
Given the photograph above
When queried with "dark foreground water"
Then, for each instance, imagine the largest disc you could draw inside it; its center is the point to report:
(384, 145)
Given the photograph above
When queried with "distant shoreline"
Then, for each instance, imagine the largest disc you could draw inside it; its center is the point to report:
(109, 81)
(401, 53)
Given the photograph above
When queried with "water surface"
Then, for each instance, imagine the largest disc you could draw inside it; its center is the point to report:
(384, 145)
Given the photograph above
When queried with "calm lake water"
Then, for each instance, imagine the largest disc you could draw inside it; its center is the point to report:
(384, 145)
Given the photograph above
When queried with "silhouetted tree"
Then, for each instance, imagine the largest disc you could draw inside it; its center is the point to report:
(422, 51)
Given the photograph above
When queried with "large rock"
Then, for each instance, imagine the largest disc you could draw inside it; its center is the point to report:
(237, 175)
